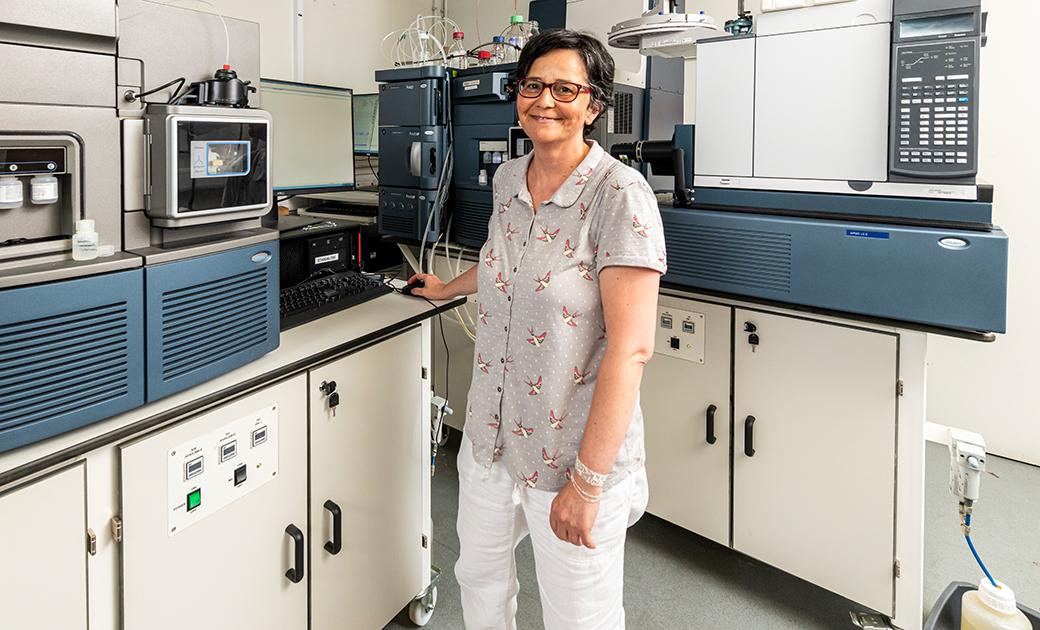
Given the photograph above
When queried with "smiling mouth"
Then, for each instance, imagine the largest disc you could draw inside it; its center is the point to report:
(542, 117)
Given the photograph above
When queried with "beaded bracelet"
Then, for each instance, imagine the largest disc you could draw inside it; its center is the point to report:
(585, 496)
(594, 479)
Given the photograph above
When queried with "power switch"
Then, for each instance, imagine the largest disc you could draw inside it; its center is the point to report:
(194, 499)
(240, 475)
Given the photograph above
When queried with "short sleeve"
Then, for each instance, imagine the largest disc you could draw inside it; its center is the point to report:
(627, 225)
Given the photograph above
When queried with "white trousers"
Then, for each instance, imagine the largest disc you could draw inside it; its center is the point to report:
(580, 588)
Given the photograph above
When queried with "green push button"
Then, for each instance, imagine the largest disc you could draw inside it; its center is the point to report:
(194, 499)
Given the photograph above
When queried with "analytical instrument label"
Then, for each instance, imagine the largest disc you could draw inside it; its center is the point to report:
(866, 234)
(326, 258)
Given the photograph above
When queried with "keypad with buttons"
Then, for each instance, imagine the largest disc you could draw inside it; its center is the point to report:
(934, 109)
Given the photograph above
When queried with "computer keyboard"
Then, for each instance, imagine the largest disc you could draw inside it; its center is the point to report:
(327, 294)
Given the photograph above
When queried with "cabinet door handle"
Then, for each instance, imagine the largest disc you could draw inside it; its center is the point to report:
(336, 544)
(749, 436)
(295, 574)
(709, 421)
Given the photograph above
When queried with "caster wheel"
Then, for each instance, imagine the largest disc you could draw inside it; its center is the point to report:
(420, 611)
(442, 439)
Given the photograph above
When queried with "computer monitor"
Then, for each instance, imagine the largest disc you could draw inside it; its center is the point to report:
(313, 143)
(366, 124)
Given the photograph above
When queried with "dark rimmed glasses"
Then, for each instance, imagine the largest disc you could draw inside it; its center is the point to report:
(562, 91)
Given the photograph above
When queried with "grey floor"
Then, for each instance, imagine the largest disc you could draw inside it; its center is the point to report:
(676, 579)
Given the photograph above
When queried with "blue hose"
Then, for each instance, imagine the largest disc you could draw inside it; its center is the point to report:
(967, 537)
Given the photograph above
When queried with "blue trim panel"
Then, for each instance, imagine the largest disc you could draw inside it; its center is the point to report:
(223, 305)
(934, 210)
(908, 276)
(61, 305)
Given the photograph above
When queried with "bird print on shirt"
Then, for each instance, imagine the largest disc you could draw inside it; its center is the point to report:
(579, 376)
(568, 249)
(536, 386)
(638, 227)
(585, 271)
(569, 318)
(536, 340)
(494, 424)
(482, 314)
(506, 363)
(583, 211)
(501, 283)
(482, 364)
(511, 231)
(543, 282)
(583, 178)
(490, 259)
(550, 460)
(504, 207)
(554, 422)
(547, 236)
(531, 481)
(521, 430)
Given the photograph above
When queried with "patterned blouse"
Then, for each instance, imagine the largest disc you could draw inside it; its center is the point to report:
(540, 330)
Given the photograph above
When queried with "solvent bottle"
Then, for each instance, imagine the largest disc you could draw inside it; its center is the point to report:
(992, 608)
(85, 241)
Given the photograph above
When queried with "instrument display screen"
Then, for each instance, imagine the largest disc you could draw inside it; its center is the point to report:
(937, 25)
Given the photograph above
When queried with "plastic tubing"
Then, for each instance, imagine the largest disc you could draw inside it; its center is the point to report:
(967, 537)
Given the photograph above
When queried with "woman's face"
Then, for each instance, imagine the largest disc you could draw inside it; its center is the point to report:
(546, 120)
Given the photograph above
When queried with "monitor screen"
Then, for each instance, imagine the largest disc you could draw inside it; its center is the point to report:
(313, 138)
(366, 124)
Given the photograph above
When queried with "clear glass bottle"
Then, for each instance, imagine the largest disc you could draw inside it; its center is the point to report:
(512, 49)
(457, 57)
(498, 50)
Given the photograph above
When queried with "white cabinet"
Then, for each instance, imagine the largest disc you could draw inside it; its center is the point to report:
(369, 464)
(687, 421)
(814, 452)
(233, 555)
(43, 528)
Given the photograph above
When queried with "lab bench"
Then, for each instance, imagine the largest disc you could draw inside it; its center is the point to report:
(259, 499)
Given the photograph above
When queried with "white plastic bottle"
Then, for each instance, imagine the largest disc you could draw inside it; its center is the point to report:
(85, 241)
(457, 56)
(43, 189)
(512, 49)
(10, 192)
(992, 608)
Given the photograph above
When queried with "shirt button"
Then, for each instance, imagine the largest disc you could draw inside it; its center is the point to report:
(525, 243)
(514, 269)
(499, 389)
(509, 298)
(505, 328)
(502, 360)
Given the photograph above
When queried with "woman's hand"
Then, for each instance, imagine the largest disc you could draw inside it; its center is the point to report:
(572, 517)
(433, 287)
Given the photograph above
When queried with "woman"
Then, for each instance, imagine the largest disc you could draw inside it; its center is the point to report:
(567, 284)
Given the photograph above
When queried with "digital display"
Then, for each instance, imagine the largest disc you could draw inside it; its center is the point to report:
(219, 159)
(937, 25)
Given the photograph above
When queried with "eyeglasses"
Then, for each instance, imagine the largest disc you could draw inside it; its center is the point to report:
(562, 91)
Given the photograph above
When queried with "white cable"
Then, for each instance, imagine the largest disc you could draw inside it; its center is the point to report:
(227, 37)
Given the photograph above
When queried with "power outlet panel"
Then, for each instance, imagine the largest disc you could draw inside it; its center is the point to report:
(211, 471)
(680, 334)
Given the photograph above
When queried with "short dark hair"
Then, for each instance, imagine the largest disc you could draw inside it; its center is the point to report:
(599, 64)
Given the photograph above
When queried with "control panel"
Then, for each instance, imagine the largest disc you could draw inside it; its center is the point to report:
(680, 334)
(212, 470)
(934, 111)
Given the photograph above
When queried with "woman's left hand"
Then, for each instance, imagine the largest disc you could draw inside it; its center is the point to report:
(572, 517)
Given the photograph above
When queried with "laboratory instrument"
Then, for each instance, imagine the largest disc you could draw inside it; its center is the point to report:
(415, 159)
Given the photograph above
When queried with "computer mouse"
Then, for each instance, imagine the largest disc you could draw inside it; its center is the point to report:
(418, 284)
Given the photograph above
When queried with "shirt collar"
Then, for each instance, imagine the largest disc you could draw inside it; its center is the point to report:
(569, 191)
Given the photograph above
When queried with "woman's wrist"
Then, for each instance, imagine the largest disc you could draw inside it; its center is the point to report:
(585, 488)
(591, 477)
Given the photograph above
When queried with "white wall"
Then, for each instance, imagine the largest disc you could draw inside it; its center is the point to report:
(989, 388)
(341, 38)
(993, 389)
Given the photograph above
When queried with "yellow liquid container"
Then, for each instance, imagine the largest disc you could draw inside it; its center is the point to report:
(992, 608)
